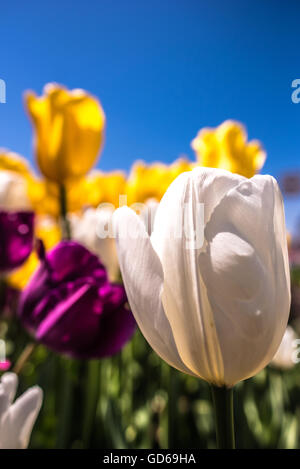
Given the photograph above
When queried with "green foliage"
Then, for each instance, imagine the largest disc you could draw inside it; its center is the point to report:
(135, 400)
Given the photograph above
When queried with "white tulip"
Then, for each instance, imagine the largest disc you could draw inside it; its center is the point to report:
(17, 419)
(13, 192)
(94, 231)
(147, 213)
(214, 306)
(287, 351)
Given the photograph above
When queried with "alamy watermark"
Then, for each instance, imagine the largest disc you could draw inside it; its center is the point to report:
(188, 224)
(296, 93)
(2, 91)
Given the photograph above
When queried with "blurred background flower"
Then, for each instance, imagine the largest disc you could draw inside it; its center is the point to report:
(226, 147)
(17, 419)
(70, 305)
(68, 129)
(151, 181)
(16, 222)
(16, 239)
(284, 357)
(94, 230)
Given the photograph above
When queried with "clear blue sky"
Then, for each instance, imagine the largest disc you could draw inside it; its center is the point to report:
(162, 70)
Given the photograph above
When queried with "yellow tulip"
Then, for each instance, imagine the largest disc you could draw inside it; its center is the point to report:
(69, 128)
(10, 161)
(100, 187)
(20, 277)
(151, 181)
(226, 147)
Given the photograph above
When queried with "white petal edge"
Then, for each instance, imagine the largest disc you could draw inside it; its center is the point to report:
(143, 279)
(261, 224)
(17, 423)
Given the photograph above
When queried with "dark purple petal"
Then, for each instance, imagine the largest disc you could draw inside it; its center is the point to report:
(70, 260)
(70, 306)
(73, 324)
(117, 324)
(16, 238)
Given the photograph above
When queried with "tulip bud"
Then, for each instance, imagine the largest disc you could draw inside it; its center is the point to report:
(68, 131)
(71, 307)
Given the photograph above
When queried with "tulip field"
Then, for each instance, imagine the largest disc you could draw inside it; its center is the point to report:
(136, 409)
(149, 302)
(158, 324)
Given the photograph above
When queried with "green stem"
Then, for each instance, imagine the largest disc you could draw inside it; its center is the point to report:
(172, 407)
(66, 229)
(223, 406)
(92, 395)
(66, 389)
(24, 357)
(65, 405)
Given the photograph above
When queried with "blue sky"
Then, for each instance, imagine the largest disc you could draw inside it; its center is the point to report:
(162, 70)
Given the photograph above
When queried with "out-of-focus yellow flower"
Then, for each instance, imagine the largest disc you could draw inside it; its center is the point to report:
(69, 128)
(47, 230)
(151, 181)
(89, 191)
(20, 277)
(100, 187)
(226, 147)
(42, 199)
(10, 161)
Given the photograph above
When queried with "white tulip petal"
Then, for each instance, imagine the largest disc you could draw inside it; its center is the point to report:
(245, 270)
(148, 213)
(17, 424)
(9, 382)
(4, 403)
(211, 288)
(184, 295)
(207, 185)
(8, 387)
(143, 279)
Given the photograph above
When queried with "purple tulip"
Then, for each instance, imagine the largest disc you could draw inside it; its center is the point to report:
(16, 238)
(71, 307)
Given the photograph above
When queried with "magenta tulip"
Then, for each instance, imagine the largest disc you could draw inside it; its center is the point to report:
(16, 238)
(71, 307)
